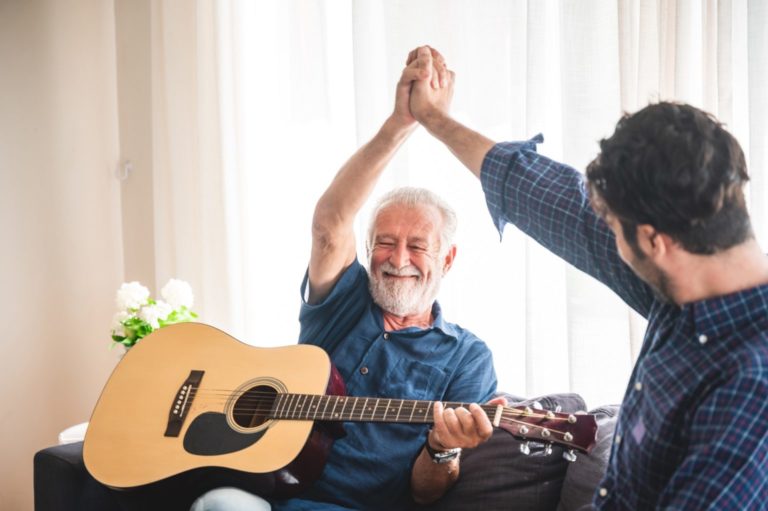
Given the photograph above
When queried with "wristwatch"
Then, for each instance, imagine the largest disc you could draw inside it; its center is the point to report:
(442, 456)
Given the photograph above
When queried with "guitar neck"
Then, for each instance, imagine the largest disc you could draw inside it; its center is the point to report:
(358, 409)
(570, 430)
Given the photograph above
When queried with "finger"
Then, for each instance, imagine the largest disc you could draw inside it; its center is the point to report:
(441, 67)
(501, 400)
(424, 60)
(412, 73)
(466, 421)
(439, 428)
(452, 423)
(411, 56)
(482, 424)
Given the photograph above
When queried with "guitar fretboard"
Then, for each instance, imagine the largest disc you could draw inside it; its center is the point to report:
(356, 409)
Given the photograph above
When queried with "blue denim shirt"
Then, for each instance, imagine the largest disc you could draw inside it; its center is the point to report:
(370, 467)
(693, 427)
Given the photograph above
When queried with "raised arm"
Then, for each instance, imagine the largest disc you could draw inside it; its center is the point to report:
(543, 198)
(429, 106)
(333, 240)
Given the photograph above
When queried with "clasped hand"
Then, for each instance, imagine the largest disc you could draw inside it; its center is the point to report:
(425, 89)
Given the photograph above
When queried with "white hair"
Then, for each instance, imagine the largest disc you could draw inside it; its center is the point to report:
(415, 197)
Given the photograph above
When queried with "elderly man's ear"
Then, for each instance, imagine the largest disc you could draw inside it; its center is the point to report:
(448, 260)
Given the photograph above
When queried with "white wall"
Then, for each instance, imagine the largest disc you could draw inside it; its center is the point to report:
(61, 257)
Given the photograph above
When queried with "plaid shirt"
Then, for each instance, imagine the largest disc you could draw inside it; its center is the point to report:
(693, 428)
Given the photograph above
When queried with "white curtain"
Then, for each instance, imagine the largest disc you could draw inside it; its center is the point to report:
(257, 104)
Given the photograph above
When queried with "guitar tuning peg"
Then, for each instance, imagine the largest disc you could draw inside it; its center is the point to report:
(558, 409)
(548, 449)
(569, 456)
(525, 448)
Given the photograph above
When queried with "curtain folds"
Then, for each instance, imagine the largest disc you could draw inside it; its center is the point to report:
(256, 106)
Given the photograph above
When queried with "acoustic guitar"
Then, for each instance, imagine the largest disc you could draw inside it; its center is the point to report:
(190, 396)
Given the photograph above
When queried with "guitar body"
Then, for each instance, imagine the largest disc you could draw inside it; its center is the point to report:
(179, 400)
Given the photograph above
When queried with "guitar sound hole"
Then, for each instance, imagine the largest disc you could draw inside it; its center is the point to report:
(252, 409)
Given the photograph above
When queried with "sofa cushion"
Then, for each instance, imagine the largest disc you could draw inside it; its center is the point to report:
(497, 475)
(585, 473)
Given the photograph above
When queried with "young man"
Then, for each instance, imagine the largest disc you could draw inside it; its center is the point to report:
(387, 336)
(662, 221)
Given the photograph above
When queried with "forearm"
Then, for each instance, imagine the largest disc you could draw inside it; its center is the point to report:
(333, 240)
(469, 146)
(429, 480)
(355, 180)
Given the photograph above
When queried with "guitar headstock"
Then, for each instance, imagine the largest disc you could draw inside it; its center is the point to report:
(571, 430)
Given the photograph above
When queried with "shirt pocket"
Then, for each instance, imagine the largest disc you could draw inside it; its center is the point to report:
(411, 379)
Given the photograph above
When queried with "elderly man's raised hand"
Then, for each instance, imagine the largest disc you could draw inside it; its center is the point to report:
(431, 94)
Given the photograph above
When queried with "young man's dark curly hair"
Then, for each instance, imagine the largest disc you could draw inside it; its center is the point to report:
(674, 167)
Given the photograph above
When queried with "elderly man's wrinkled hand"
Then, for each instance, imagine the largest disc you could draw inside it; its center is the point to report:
(461, 427)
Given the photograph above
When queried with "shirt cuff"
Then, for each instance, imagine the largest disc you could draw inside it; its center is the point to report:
(495, 171)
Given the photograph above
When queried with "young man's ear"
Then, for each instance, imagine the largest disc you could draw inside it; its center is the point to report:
(448, 259)
(652, 242)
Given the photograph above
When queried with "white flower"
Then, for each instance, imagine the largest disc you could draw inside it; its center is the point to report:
(178, 294)
(152, 314)
(117, 323)
(131, 295)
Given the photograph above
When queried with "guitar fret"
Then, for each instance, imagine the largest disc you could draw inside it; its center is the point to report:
(300, 405)
(413, 409)
(277, 405)
(375, 407)
(286, 406)
(313, 407)
(290, 406)
(335, 404)
(327, 400)
(363, 409)
(386, 411)
(399, 410)
(345, 401)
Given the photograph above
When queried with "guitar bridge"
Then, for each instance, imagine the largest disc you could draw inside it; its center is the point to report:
(182, 402)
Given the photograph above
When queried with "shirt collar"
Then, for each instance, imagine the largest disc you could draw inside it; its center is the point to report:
(722, 315)
(439, 323)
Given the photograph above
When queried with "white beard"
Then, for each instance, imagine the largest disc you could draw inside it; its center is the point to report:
(403, 297)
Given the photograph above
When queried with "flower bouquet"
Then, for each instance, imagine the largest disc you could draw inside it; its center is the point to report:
(139, 315)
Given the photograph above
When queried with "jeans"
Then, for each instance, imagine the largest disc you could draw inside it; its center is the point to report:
(230, 499)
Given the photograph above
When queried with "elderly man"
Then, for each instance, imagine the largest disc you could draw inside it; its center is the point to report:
(669, 232)
(387, 335)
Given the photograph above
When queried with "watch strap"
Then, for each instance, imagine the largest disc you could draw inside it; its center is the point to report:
(445, 456)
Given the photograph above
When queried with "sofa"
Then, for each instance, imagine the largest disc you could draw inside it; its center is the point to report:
(497, 475)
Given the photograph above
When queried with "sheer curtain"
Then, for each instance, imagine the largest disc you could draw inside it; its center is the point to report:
(257, 104)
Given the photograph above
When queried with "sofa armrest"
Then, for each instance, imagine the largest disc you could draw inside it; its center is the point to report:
(61, 482)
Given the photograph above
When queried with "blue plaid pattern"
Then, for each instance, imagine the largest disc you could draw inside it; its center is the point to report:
(693, 428)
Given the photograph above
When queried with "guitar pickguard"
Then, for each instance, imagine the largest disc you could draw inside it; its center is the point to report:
(210, 435)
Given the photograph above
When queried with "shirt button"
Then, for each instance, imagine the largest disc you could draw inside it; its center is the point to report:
(603, 492)
(617, 439)
(703, 339)
(386, 335)
(363, 370)
(638, 386)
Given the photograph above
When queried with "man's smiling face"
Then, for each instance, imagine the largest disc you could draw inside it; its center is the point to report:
(405, 266)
